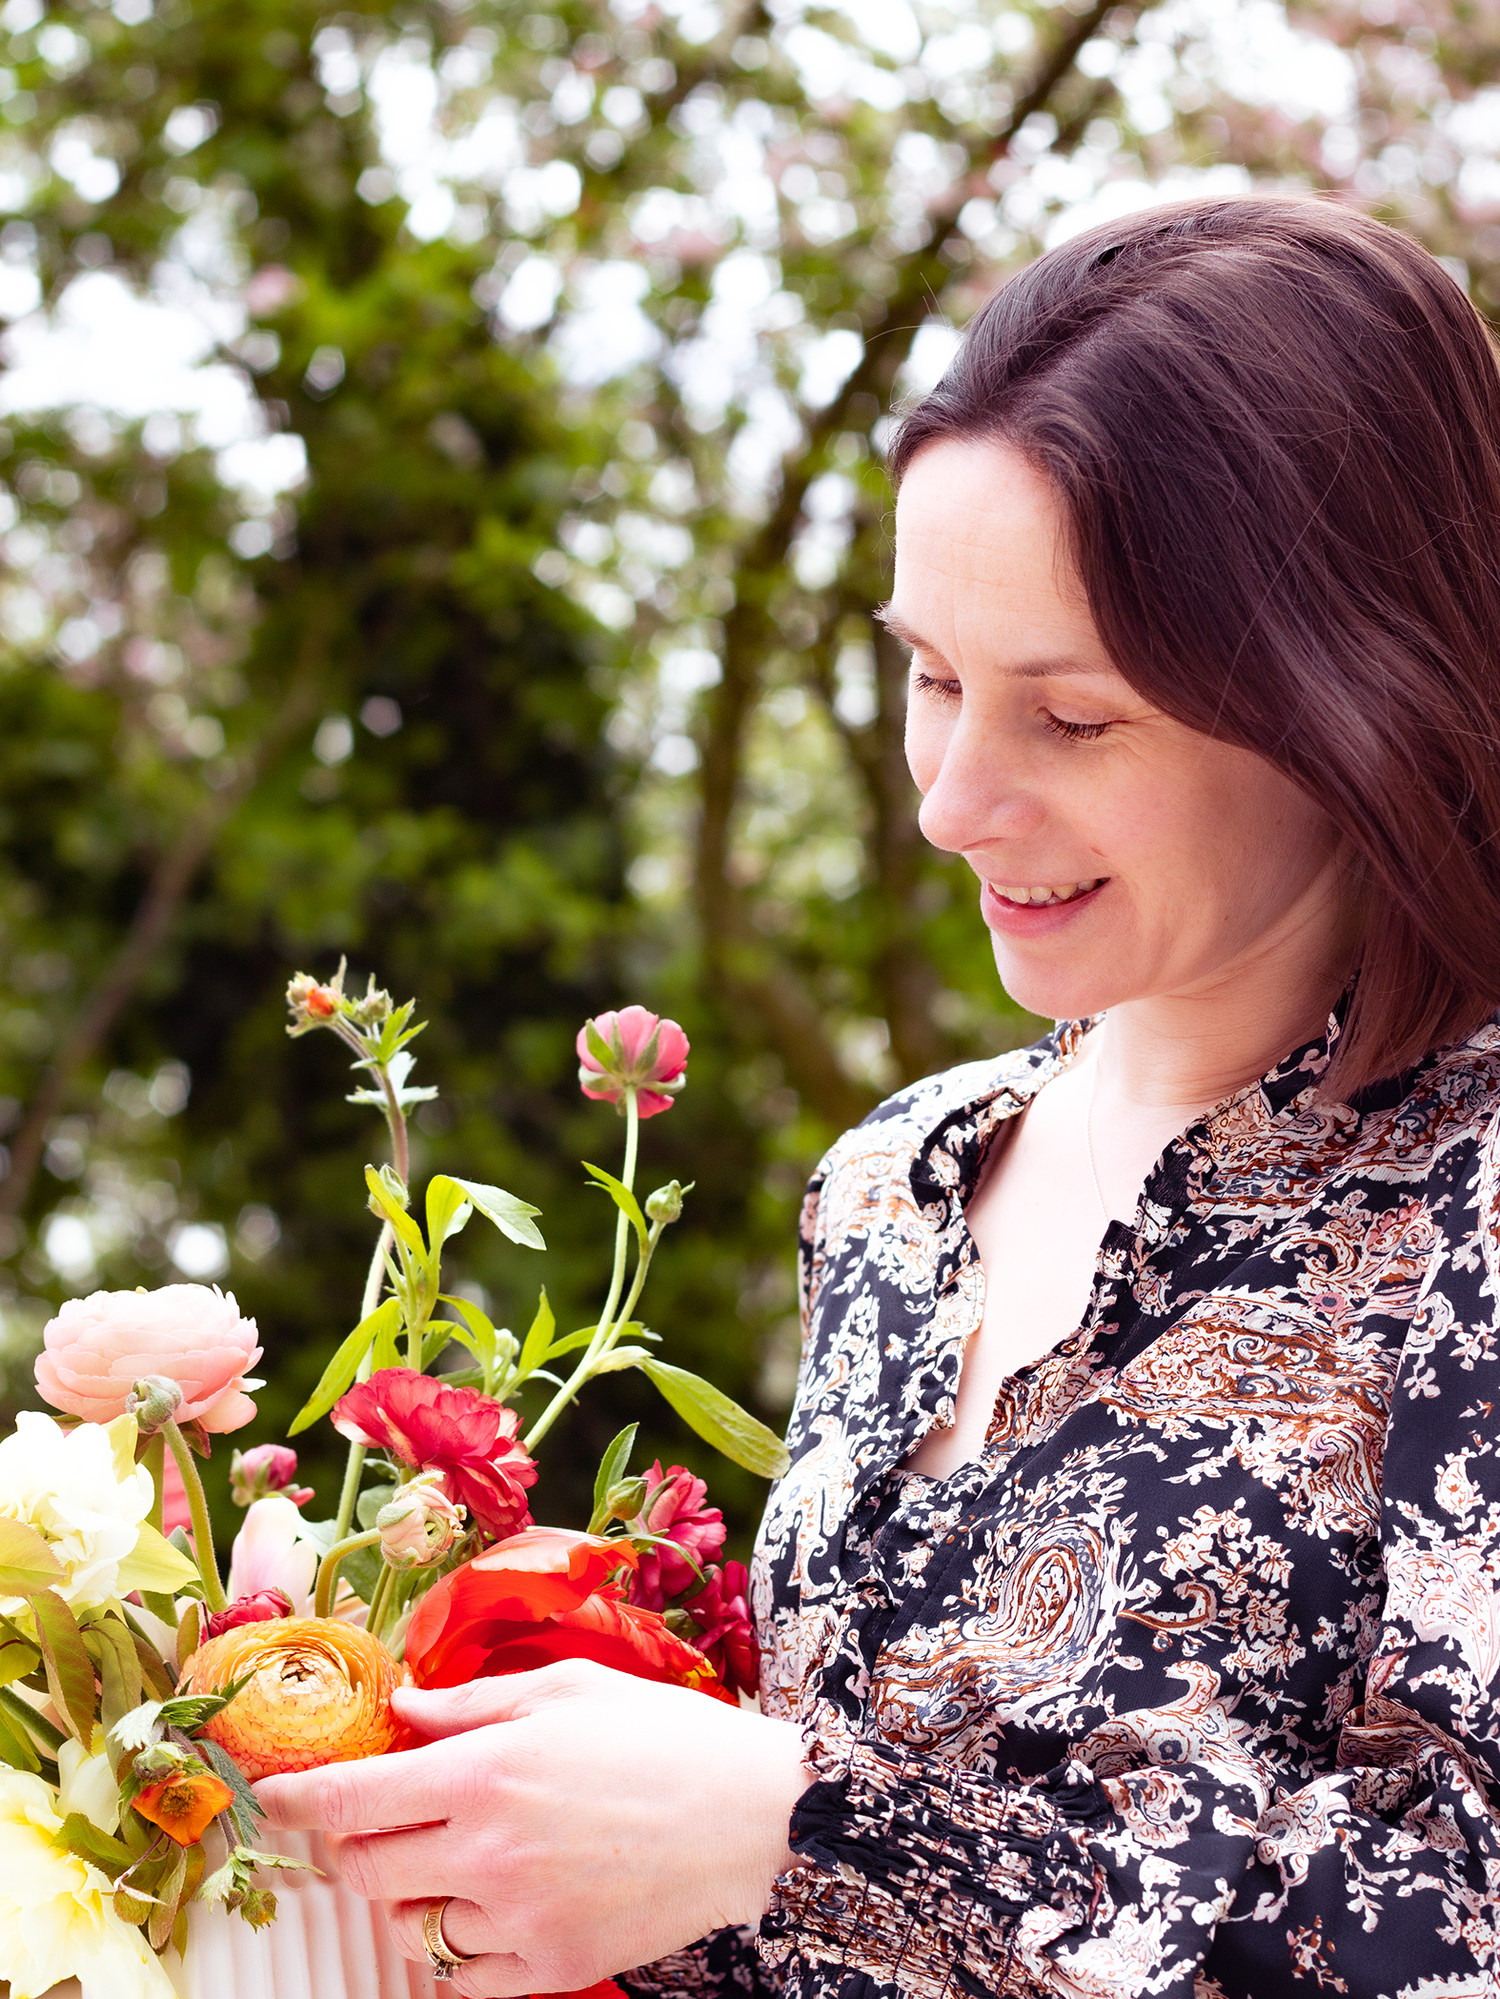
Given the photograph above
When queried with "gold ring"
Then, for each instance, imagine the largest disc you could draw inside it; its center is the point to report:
(440, 1953)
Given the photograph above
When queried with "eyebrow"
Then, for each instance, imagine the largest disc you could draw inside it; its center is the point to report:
(1031, 669)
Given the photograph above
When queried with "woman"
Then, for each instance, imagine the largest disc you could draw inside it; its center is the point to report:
(1131, 1610)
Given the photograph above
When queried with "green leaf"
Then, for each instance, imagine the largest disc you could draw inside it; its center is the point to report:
(70, 1670)
(368, 1505)
(623, 1199)
(361, 1571)
(510, 1216)
(154, 1564)
(246, 1808)
(190, 1712)
(571, 1342)
(385, 1348)
(718, 1420)
(79, 1835)
(169, 1893)
(341, 1370)
(26, 1562)
(611, 1471)
(448, 1208)
(385, 1203)
(538, 1341)
(17, 1748)
(19, 1657)
(120, 1681)
(137, 1729)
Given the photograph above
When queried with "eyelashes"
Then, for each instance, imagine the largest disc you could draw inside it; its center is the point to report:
(951, 690)
(1076, 732)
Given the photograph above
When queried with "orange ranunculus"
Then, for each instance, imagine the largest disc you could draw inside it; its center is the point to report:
(537, 1598)
(184, 1805)
(320, 1692)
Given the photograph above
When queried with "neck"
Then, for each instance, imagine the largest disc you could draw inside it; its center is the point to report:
(1185, 1051)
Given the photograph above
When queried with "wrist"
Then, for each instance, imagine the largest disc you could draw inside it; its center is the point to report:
(774, 1776)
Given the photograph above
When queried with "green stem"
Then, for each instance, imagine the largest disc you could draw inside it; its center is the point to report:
(328, 1568)
(23, 1713)
(154, 1458)
(203, 1533)
(380, 1602)
(609, 1318)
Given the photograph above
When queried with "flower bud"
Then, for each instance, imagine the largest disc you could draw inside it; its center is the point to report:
(268, 1468)
(420, 1524)
(665, 1205)
(313, 1004)
(374, 1007)
(395, 1186)
(255, 1608)
(626, 1499)
(152, 1401)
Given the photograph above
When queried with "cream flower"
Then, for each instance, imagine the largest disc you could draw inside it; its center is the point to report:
(56, 1916)
(83, 1494)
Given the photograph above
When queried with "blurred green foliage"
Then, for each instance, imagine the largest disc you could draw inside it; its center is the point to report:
(541, 676)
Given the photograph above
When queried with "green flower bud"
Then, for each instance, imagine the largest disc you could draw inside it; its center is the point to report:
(665, 1205)
(152, 1400)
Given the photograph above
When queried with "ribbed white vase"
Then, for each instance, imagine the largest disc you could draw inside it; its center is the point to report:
(326, 1942)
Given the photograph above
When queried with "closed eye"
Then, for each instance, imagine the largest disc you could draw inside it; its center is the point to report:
(1076, 732)
(941, 690)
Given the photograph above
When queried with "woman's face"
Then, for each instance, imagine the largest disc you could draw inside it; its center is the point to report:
(1123, 856)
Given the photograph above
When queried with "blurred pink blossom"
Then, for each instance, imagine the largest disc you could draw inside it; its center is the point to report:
(97, 1348)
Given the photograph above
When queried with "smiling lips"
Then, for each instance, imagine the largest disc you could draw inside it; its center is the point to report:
(1042, 898)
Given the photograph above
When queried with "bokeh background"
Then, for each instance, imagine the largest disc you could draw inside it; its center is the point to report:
(442, 509)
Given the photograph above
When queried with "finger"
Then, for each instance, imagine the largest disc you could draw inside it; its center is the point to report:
(437, 1711)
(409, 1787)
(394, 1866)
(468, 1930)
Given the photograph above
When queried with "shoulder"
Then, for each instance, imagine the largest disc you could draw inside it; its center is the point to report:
(887, 1141)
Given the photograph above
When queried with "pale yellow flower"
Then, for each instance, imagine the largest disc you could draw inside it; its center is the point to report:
(56, 1916)
(83, 1493)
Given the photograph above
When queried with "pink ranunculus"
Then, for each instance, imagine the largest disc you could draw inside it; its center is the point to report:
(725, 1631)
(268, 1468)
(675, 1508)
(468, 1437)
(97, 1348)
(270, 1552)
(254, 1609)
(645, 1053)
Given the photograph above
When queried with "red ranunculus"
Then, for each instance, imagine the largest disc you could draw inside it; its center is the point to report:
(254, 1608)
(645, 1053)
(675, 1508)
(725, 1631)
(537, 1598)
(468, 1437)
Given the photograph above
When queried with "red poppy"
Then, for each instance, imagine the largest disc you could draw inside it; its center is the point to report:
(538, 1598)
(468, 1437)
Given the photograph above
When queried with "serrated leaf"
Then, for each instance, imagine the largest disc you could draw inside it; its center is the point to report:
(169, 1894)
(79, 1835)
(190, 1711)
(612, 1470)
(341, 1370)
(510, 1216)
(719, 1420)
(26, 1562)
(448, 1208)
(154, 1564)
(70, 1670)
(246, 1808)
(623, 1199)
(138, 1729)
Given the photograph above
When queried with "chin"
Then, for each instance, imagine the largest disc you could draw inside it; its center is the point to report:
(1056, 992)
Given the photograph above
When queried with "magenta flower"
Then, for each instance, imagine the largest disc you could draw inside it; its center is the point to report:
(674, 1508)
(725, 1631)
(268, 1468)
(468, 1437)
(256, 1608)
(632, 1049)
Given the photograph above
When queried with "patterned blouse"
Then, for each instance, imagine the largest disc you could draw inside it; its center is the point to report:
(1186, 1685)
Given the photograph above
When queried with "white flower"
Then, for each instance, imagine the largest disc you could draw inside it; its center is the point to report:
(83, 1494)
(57, 1919)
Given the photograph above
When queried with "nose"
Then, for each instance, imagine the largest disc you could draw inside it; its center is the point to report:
(978, 797)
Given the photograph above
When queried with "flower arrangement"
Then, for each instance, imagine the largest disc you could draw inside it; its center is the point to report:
(140, 1698)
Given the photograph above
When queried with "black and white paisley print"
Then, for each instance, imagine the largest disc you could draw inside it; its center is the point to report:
(1188, 1685)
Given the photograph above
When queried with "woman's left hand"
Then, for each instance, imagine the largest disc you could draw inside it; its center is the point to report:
(582, 1821)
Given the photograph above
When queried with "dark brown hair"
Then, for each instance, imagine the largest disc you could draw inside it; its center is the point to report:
(1275, 425)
